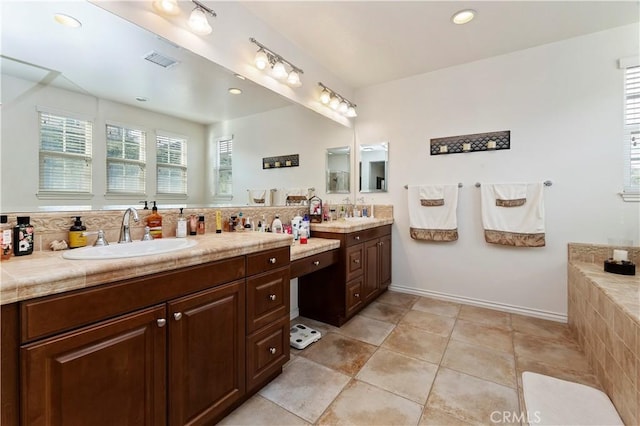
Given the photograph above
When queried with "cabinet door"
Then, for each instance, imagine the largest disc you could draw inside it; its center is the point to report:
(385, 261)
(111, 373)
(267, 298)
(371, 276)
(267, 351)
(354, 298)
(206, 354)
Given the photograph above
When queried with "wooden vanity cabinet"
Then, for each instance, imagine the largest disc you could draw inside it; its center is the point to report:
(166, 349)
(362, 272)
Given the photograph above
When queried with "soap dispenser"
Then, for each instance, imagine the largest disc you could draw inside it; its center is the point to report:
(276, 225)
(77, 237)
(181, 226)
(154, 222)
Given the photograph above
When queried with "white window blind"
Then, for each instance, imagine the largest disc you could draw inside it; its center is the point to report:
(632, 129)
(171, 158)
(126, 160)
(65, 154)
(223, 170)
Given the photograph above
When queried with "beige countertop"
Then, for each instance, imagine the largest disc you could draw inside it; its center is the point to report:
(344, 226)
(313, 246)
(624, 290)
(47, 272)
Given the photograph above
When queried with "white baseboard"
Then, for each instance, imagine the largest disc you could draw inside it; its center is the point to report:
(537, 313)
(294, 314)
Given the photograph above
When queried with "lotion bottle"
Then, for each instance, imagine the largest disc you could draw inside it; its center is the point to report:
(77, 238)
(154, 222)
(181, 227)
(276, 225)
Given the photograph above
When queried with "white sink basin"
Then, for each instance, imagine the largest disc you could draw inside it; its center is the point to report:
(134, 249)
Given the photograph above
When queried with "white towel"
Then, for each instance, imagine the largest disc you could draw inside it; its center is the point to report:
(519, 225)
(257, 196)
(434, 222)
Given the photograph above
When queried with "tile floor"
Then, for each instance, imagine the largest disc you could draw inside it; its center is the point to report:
(409, 360)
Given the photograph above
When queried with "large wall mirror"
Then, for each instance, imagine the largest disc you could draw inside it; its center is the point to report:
(373, 167)
(339, 170)
(136, 78)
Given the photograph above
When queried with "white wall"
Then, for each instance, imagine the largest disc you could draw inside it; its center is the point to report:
(284, 131)
(563, 104)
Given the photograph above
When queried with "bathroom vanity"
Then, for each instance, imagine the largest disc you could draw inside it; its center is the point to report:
(362, 271)
(180, 346)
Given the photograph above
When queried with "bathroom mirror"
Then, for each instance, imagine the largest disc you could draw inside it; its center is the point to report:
(373, 167)
(339, 170)
(45, 64)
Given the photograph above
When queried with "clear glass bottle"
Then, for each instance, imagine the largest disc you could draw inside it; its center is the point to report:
(6, 239)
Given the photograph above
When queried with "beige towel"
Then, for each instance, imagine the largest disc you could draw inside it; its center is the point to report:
(519, 224)
(257, 196)
(433, 221)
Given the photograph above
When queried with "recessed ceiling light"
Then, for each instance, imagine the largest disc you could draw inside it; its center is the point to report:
(67, 21)
(141, 99)
(235, 91)
(241, 77)
(463, 16)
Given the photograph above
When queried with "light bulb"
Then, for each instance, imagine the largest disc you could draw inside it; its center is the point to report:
(294, 79)
(325, 96)
(343, 107)
(279, 71)
(198, 22)
(166, 7)
(261, 60)
(351, 112)
(334, 102)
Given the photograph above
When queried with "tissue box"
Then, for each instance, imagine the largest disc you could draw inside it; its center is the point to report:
(622, 268)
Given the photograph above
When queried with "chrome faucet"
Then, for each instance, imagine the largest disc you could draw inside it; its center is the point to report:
(125, 235)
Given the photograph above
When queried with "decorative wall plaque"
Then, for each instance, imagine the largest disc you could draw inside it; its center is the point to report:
(281, 161)
(491, 141)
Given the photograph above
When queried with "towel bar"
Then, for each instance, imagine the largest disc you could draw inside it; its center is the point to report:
(459, 185)
(546, 183)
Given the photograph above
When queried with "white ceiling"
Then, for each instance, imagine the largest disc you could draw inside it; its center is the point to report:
(370, 42)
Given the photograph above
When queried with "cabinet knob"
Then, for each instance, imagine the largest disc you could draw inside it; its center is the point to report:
(272, 260)
(177, 316)
(161, 322)
(272, 351)
(381, 243)
(356, 260)
(357, 295)
(272, 297)
(317, 262)
(357, 237)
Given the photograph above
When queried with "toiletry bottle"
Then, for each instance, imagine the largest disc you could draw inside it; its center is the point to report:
(6, 245)
(181, 226)
(193, 224)
(306, 225)
(23, 237)
(154, 222)
(303, 235)
(276, 225)
(201, 227)
(76, 234)
(240, 224)
(218, 222)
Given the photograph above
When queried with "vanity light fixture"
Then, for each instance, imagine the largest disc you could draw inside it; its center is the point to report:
(267, 57)
(463, 16)
(167, 7)
(67, 20)
(235, 91)
(198, 21)
(337, 102)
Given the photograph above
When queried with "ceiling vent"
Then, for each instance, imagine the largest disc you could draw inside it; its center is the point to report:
(160, 59)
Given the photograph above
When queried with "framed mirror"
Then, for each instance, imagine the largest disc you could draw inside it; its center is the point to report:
(373, 167)
(339, 170)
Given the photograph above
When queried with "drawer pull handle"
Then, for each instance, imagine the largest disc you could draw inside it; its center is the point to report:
(161, 322)
(177, 316)
(356, 260)
(272, 351)
(272, 297)
(317, 262)
(357, 295)
(357, 237)
(272, 260)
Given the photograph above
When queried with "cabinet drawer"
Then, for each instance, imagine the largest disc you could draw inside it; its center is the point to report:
(267, 260)
(267, 352)
(313, 263)
(353, 296)
(355, 263)
(267, 298)
(367, 234)
(54, 314)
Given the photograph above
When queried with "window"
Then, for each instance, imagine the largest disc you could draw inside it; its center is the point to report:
(171, 156)
(222, 172)
(125, 160)
(631, 129)
(65, 155)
